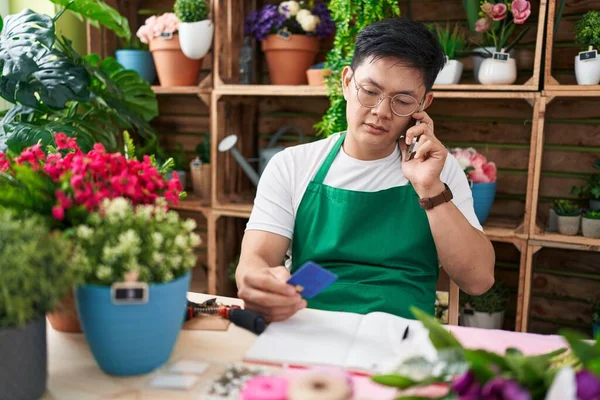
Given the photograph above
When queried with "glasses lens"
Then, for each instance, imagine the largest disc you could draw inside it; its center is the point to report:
(404, 105)
(369, 95)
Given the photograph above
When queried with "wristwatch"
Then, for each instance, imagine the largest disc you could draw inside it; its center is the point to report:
(427, 203)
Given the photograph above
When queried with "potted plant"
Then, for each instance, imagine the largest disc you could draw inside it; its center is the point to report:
(453, 44)
(591, 190)
(569, 216)
(487, 310)
(178, 165)
(587, 62)
(500, 68)
(146, 252)
(200, 168)
(289, 34)
(172, 66)
(195, 29)
(134, 55)
(590, 224)
(482, 175)
(66, 185)
(37, 269)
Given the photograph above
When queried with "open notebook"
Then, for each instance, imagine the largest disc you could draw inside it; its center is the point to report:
(358, 342)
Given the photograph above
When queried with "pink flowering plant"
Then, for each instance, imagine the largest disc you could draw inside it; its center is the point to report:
(165, 25)
(499, 19)
(66, 185)
(476, 166)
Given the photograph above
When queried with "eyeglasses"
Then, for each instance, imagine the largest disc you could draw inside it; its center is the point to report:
(371, 96)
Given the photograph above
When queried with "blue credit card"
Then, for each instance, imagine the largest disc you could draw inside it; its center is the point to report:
(311, 279)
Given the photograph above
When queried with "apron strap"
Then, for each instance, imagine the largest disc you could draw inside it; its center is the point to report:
(324, 169)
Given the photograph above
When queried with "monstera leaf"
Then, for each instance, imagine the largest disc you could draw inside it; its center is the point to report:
(26, 36)
(33, 73)
(97, 13)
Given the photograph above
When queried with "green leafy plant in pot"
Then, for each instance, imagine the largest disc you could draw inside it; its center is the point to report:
(453, 43)
(137, 263)
(591, 189)
(134, 55)
(37, 269)
(195, 29)
(587, 62)
(486, 310)
(590, 224)
(568, 215)
(55, 89)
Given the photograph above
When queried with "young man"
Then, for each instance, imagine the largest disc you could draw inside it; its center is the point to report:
(354, 202)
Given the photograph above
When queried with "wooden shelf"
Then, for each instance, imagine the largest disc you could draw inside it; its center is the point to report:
(557, 240)
(270, 90)
(181, 90)
(193, 204)
(239, 210)
(483, 88)
(572, 91)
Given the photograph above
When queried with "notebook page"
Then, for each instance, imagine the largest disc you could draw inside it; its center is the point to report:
(309, 337)
(379, 337)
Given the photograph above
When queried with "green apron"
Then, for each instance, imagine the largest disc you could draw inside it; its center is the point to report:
(378, 243)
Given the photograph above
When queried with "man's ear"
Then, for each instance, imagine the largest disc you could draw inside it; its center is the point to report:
(428, 100)
(346, 78)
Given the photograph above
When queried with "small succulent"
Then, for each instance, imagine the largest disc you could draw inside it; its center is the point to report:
(593, 214)
(566, 208)
(191, 10)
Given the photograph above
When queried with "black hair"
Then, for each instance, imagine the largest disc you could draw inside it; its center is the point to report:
(408, 41)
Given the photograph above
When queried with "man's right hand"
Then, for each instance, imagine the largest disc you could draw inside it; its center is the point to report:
(266, 292)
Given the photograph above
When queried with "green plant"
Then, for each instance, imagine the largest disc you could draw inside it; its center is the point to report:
(587, 30)
(453, 42)
(37, 268)
(55, 89)
(191, 10)
(565, 207)
(203, 149)
(350, 17)
(592, 214)
(133, 43)
(147, 239)
(494, 300)
(591, 189)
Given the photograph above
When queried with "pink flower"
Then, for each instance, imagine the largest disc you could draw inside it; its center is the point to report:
(3, 163)
(521, 9)
(487, 8)
(478, 160)
(499, 12)
(64, 142)
(490, 171)
(58, 213)
(482, 25)
(478, 176)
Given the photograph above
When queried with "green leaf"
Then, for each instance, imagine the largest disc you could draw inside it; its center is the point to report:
(398, 381)
(97, 13)
(482, 362)
(129, 146)
(439, 336)
(586, 352)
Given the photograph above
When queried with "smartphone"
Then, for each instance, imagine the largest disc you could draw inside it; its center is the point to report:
(412, 149)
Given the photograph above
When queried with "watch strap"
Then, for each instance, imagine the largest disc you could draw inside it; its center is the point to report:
(428, 203)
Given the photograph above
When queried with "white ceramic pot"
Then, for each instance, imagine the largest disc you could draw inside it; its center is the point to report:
(552, 225)
(587, 72)
(450, 74)
(196, 38)
(590, 228)
(569, 225)
(484, 320)
(498, 72)
(478, 60)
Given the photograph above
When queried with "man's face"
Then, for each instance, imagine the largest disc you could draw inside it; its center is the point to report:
(378, 128)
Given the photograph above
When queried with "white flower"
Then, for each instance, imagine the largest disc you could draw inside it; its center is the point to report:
(172, 217)
(158, 258)
(189, 225)
(110, 254)
(176, 261)
(190, 260)
(129, 239)
(84, 232)
(309, 23)
(168, 276)
(117, 208)
(291, 8)
(302, 14)
(180, 241)
(195, 240)
(144, 212)
(157, 239)
(103, 272)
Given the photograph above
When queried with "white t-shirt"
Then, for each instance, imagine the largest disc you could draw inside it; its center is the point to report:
(286, 177)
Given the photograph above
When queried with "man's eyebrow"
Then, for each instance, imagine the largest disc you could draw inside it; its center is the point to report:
(373, 82)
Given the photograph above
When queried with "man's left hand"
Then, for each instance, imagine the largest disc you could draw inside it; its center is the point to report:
(424, 170)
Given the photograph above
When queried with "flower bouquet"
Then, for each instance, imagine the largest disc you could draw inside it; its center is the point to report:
(161, 33)
(289, 35)
(497, 23)
(482, 177)
(467, 374)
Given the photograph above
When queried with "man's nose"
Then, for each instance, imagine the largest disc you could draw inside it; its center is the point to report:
(383, 109)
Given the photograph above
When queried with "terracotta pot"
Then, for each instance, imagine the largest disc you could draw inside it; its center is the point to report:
(172, 66)
(316, 76)
(289, 59)
(64, 318)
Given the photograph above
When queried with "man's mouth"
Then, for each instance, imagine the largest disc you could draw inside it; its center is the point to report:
(375, 128)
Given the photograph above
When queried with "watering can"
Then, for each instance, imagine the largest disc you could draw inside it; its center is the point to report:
(264, 154)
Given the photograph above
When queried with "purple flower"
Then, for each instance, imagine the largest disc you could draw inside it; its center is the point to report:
(504, 389)
(263, 22)
(326, 26)
(466, 386)
(588, 385)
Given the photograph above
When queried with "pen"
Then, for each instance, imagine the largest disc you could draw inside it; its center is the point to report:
(405, 334)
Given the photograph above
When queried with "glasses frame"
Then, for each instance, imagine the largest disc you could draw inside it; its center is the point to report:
(384, 96)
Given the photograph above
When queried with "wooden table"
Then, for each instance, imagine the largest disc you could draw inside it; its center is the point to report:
(74, 374)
